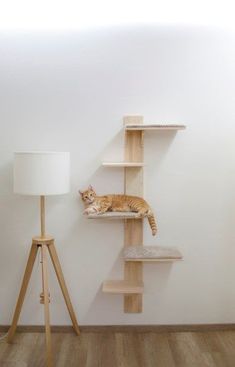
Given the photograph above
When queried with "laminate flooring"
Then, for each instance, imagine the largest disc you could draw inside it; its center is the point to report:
(123, 349)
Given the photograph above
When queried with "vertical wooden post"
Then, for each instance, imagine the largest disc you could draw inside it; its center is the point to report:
(133, 185)
(42, 215)
(46, 305)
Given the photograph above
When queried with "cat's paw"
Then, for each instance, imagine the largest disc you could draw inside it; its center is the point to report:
(88, 211)
(92, 210)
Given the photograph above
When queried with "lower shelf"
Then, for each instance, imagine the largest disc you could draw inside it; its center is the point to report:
(151, 254)
(123, 287)
(114, 215)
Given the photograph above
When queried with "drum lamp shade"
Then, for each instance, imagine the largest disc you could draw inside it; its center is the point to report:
(41, 173)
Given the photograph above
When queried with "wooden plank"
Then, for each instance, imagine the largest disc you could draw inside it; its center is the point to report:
(118, 348)
(189, 350)
(124, 328)
(122, 164)
(122, 287)
(49, 357)
(42, 215)
(136, 127)
(61, 280)
(128, 351)
(133, 185)
(156, 260)
(155, 350)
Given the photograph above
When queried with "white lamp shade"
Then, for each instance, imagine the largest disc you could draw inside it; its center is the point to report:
(41, 173)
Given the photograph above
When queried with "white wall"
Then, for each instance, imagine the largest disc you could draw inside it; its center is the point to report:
(69, 91)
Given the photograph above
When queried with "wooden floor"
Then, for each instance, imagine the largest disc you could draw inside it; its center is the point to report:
(123, 349)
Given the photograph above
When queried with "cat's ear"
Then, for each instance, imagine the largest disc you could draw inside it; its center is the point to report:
(91, 188)
(80, 192)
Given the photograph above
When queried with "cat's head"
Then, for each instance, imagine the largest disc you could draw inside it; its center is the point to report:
(88, 196)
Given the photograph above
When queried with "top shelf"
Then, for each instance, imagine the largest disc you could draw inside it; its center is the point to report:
(134, 127)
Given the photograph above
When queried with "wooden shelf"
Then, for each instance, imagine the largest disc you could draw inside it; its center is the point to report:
(132, 287)
(122, 287)
(114, 215)
(152, 254)
(135, 127)
(123, 164)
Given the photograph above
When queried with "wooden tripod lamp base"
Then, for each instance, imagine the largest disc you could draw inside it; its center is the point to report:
(42, 173)
(45, 244)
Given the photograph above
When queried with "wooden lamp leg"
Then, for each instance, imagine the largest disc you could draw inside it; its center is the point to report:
(60, 277)
(46, 305)
(25, 282)
(45, 243)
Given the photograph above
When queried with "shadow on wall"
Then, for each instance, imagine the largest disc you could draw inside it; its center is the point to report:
(110, 154)
(161, 273)
(113, 151)
(6, 179)
(159, 142)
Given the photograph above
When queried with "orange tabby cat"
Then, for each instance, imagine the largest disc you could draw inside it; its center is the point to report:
(117, 203)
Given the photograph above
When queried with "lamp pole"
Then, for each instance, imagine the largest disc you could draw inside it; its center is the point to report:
(42, 214)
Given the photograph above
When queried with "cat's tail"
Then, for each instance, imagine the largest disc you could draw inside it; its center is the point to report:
(152, 223)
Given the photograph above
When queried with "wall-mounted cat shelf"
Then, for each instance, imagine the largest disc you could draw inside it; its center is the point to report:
(123, 287)
(113, 215)
(151, 254)
(137, 126)
(122, 164)
(135, 254)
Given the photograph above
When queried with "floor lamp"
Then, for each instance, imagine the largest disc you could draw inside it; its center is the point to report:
(42, 174)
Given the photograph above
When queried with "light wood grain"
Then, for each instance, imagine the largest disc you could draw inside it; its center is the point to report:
(133, 185)
(122, 287)
(124, 349)
(163, 328)
(135, 127)
(122, 164)
(49, 357)
(42, 216)
(38, 240)
(61, 280)
(134, 152)
(21, 297)
(44, 243)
